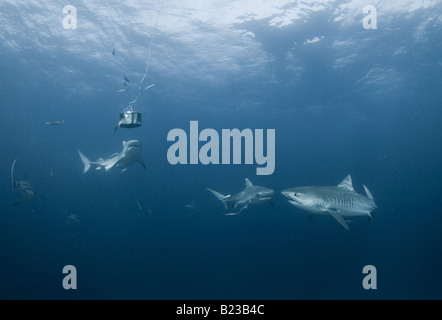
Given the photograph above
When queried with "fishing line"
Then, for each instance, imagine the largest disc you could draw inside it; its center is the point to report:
(140, 90)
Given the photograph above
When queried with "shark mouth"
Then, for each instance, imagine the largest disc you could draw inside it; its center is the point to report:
(133, 146)
(294, 200)
(295, 203)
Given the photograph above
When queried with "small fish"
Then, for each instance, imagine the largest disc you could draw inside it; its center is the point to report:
(192, 207)
(151, 86)
(122, 90)
(236, 213)
(139, 206)
(126, 79)
(54, 123)
(72, 218)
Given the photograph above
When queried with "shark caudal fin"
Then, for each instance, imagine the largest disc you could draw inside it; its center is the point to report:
(86, 162)
(221, 198)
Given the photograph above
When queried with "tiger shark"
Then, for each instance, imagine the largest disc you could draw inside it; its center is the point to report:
(131, 153)
(23, 188)
(339, 201)
(251, 195)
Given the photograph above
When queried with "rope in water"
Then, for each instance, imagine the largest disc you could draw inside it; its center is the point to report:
(130, 106)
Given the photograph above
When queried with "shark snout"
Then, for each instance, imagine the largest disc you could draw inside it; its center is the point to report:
(286, 193)
(267, 194)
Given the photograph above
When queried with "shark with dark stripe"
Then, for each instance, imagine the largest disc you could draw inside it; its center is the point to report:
(341, 201)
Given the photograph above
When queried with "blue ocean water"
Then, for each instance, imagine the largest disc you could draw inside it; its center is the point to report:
(343, 100)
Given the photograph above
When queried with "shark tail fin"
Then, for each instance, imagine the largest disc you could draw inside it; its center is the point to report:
(86, 162)
(220, 197)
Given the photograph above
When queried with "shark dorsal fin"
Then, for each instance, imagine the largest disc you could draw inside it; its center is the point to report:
(124, 144)
(248, 183)
(369, 195)
(346, 184)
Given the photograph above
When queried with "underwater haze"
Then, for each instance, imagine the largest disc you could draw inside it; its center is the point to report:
(348, 89)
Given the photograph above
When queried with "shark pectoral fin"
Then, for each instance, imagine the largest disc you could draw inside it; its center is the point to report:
(338, 216)
(107, 168)
(140, 161)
